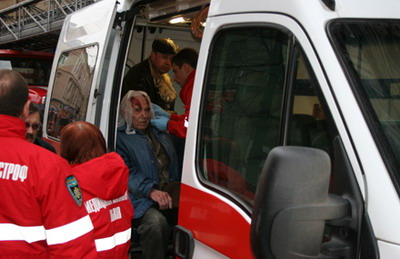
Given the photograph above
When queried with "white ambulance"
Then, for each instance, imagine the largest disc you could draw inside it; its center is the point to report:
(293, 144)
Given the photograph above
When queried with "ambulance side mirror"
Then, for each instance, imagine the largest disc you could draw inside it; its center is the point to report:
(292, 204)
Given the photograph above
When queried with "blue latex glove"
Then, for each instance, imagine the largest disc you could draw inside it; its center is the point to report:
(160, 123)
(160, 112)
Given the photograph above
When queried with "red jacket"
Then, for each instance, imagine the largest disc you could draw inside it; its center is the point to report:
(104, 184)
(39, 217)
(177, 124)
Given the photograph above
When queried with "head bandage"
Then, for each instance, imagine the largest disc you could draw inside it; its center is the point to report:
(126, 110)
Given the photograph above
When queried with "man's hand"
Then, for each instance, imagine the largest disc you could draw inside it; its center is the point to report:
(162, 198)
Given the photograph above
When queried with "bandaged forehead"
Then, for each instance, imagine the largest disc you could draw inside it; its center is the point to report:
(139, 102)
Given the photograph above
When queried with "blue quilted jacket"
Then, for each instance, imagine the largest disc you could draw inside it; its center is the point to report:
(136, 150)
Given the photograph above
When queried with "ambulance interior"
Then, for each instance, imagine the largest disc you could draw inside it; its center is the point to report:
(167, 20)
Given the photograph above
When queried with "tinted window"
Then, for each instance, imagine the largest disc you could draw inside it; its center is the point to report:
(242, 106)
(259, 93)
(370, 52)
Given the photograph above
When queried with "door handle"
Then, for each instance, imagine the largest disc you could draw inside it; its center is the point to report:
(183, 242)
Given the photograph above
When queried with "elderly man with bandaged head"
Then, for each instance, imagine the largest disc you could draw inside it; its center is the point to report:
(153, 173)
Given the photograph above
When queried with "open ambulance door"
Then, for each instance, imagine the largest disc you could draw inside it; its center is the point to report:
(79, 73)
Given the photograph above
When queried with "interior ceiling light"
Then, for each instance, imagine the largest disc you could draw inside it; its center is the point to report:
(177, 20)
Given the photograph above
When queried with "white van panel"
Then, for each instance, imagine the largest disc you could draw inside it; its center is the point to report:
(203, 251)
(381, 199)
(314, 9)
(388, 250)
(82, 24)
(88, 24)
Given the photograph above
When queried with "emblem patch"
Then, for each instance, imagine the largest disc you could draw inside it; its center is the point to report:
(74, 189)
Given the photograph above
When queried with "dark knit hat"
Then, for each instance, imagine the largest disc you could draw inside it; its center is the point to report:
(165, 46)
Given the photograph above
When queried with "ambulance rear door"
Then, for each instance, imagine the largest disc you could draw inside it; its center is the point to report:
(86, 47)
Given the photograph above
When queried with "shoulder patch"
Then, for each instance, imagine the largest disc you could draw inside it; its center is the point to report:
(74, 189)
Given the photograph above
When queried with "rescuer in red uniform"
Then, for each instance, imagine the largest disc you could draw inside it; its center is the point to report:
(104, 181)
(41, 212)
(184, 67)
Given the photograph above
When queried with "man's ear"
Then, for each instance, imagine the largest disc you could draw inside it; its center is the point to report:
(187, 68)
(152, 56)
(25, 111)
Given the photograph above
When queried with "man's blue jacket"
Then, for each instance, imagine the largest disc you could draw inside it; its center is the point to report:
(136, 150)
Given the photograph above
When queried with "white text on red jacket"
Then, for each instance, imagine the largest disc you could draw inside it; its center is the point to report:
(96, 204)
(12, 171)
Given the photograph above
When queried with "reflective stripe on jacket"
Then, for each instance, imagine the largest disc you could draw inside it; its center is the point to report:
(104, 184)
(39, 217)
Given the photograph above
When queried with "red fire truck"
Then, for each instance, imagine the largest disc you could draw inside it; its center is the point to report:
(35, 66)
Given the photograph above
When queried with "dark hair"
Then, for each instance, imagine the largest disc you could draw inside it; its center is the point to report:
(186, 55)
(13, 93)
(81, 141)
(33, 107)
(164, 46)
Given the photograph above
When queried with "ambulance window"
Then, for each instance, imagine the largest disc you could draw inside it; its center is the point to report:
(306, 120)
(70, 95)
(259, 93)
(369, 51)
(242, 104)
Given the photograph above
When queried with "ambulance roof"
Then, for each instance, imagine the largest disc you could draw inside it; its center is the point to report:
(315, 9)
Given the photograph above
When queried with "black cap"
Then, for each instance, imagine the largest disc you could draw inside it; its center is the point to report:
(165, 46)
